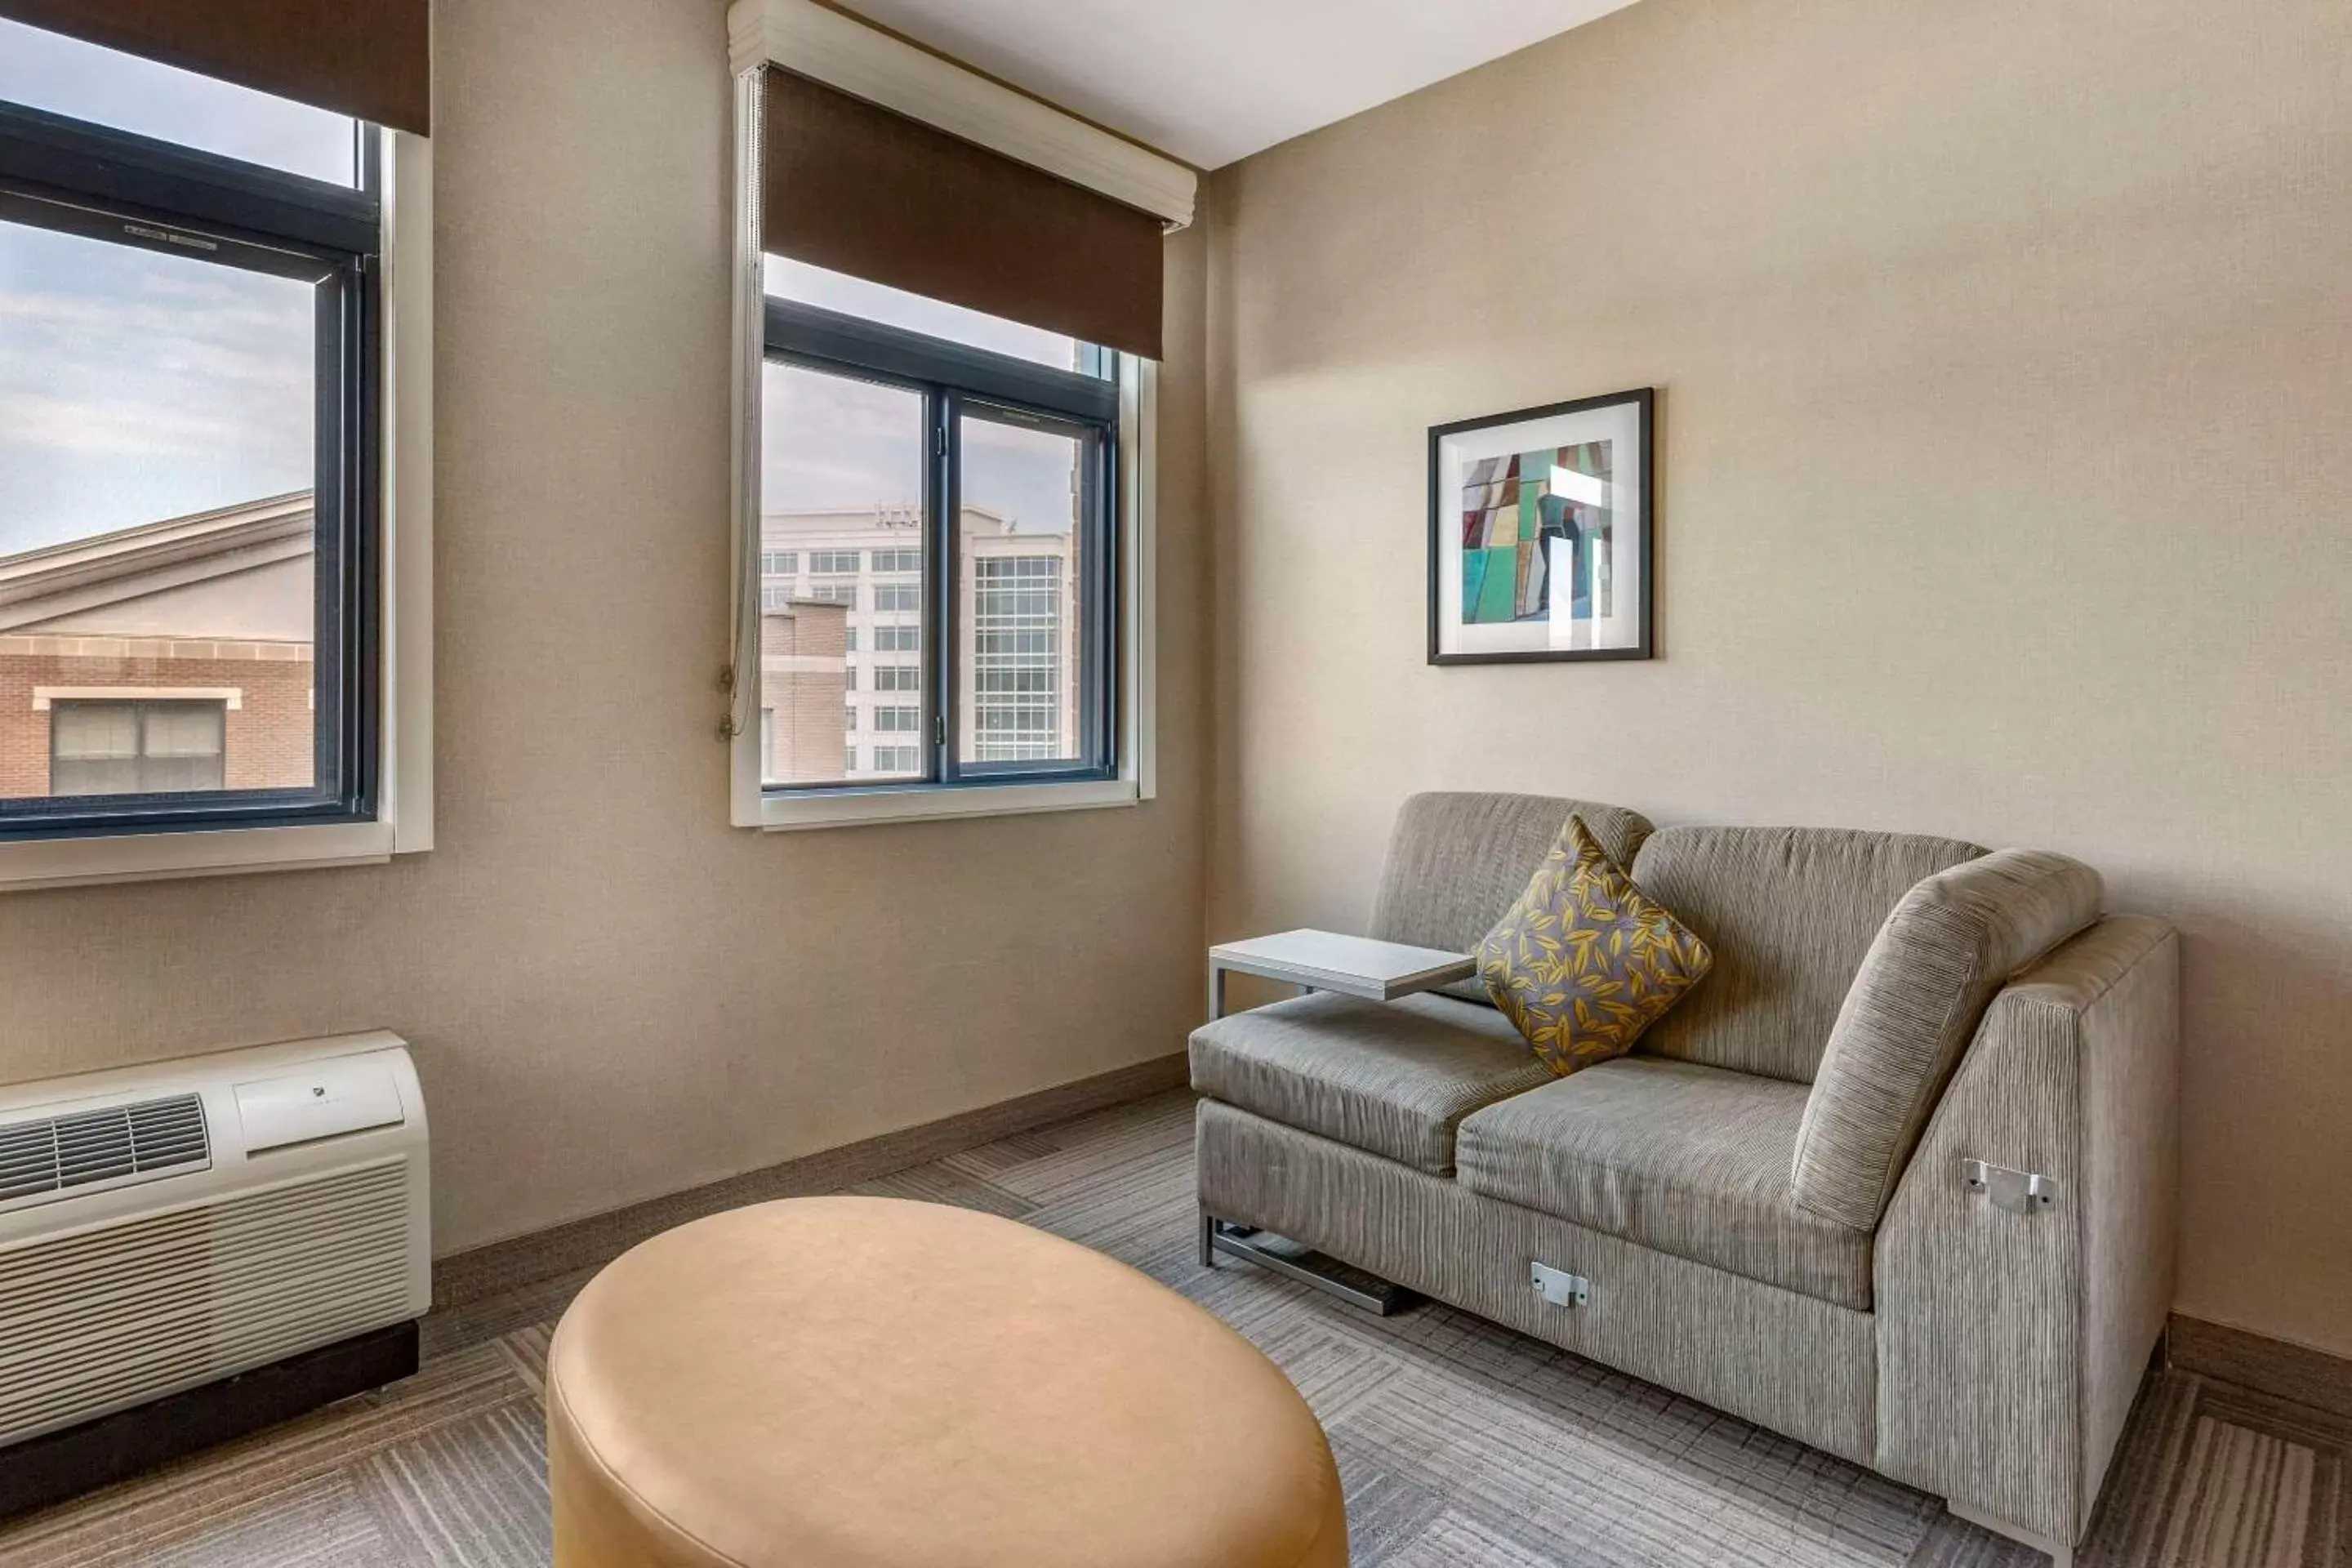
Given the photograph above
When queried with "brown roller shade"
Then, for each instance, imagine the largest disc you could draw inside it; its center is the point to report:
(369, 59)
(858, 189)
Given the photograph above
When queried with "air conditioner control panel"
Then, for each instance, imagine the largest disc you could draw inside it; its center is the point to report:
(320, 1099)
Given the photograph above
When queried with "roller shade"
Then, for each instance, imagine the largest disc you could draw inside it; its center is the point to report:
(369, 59)
(856, 188)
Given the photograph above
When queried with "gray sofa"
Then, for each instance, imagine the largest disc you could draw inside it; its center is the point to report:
(1774, 1199)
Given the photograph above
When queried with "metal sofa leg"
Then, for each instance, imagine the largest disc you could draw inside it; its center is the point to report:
(1293, 1260)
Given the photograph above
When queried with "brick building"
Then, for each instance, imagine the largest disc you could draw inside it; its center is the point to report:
(804, 675)
(173, 655)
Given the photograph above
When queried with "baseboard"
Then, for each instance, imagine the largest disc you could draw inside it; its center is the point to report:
(480, 1272)
(59, 1465)
(2275, 1367)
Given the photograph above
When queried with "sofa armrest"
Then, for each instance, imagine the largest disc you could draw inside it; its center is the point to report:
(2010, 1344)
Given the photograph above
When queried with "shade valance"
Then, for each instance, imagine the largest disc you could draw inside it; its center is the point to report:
(369, 59)
(857, 188)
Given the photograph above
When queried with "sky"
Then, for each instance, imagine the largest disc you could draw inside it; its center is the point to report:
(831, 442)
(136, 386)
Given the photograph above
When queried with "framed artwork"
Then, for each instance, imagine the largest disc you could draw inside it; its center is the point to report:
(1539, 530)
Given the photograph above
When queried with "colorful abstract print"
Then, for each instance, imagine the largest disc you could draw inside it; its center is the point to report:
(1584, 962)
(1529, 517)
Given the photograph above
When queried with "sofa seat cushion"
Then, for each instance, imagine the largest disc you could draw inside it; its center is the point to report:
(1391, 1078)
(1688, 1160)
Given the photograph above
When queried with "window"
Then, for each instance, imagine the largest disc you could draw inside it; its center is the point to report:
(68, 77)
(189, 360)
(849, 678)
(850, 715)
(780, 563)
(1017, 659)
(835, 593)
(798, 280)
(849, 639)
(850, 764)
(1005, 466)
(892, 360)
(136, 748)
(774, 597)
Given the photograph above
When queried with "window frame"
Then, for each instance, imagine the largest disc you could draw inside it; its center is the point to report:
(399, 171)
(115, 187)
(957, 382)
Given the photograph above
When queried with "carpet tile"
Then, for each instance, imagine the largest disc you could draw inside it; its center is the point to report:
(1461, 1445)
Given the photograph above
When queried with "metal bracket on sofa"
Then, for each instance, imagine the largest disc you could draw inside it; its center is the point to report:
(1557, 1286)
(1296, 1261)
(2018, 1192)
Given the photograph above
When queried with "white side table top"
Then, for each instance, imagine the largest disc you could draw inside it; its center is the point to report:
(1352, 965)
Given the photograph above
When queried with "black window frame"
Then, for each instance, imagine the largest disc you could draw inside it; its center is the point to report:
(955, 380)
(69, 175)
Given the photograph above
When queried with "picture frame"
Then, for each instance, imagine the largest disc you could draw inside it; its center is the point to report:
(1527, 504)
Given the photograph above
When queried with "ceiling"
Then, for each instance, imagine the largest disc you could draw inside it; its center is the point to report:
(1213, 80)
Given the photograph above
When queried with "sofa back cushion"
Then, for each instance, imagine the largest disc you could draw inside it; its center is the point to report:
(1458, 861)
(1788, 913)
(1951, 943)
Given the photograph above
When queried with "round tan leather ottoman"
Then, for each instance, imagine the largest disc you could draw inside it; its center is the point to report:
(862, 1383)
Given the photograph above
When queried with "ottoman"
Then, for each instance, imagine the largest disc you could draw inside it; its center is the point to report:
(865, 1383)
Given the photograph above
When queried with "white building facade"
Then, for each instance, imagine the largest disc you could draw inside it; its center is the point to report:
(1020, 664)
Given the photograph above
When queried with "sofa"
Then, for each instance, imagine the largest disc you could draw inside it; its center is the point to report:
(1896, 1179)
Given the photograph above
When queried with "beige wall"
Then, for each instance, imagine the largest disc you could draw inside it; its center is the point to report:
(613, 995)
(2006, 358)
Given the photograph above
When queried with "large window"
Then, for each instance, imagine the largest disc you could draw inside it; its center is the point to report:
(188, 469)
(978, 482)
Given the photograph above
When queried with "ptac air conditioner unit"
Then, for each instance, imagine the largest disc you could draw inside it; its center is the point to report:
(192, 1249)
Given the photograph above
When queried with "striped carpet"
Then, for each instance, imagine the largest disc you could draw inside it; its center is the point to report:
(1462, 1445)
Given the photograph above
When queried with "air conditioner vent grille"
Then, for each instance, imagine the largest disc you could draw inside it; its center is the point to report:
(58, 1153)
(103, 1318)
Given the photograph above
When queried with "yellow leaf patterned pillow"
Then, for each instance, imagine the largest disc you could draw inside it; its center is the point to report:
(1584, 962)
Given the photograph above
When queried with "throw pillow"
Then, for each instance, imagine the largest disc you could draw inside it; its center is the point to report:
(1584, 962)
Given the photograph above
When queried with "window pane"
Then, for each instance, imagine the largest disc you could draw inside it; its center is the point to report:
(95, 732)
(1020, 669)
(132, 747)
(790, 280)
(66, 76)
(841, 477)
(156, 459)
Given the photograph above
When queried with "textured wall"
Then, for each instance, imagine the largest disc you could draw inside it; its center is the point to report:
(2006, 358)
(614, 994)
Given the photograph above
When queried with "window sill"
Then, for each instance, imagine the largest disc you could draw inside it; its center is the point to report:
(789, 813)
(34, 863)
